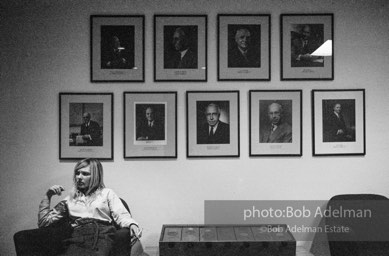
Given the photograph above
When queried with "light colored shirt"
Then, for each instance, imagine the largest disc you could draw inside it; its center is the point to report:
(103, 205)
(183, 53)
(214, 128)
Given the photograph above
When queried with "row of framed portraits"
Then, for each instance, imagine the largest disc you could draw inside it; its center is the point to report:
(212, 123)
(180, 47)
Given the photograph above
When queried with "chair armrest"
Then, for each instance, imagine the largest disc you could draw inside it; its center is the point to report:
(125, 243)
(41, 241)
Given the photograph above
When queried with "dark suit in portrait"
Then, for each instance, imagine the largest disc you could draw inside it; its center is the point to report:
(243, 50)
(118, 59)
(116, 56)
(180, 50)
(334, 125)
(188, 60)
(303, 44)
(238, 59)
(93, 130)
(279, 134)
(220, 136)
(150, 131)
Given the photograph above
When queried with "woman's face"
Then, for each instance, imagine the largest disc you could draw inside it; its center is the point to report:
(83, 177)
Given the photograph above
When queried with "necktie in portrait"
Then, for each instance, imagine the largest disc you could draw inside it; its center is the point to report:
(211, 132)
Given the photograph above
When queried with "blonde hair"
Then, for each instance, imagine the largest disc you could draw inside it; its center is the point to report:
(96, 171)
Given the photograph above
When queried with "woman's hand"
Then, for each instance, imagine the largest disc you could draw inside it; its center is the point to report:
(55, 190)
(136, 231)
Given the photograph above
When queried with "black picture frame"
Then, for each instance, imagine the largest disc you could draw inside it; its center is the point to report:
(224, 108)
(78, 140)
(254, 64)
(189, 32)
(301, 36)
(343, 133)
(284, 138)
(117, 48)
(157, 139)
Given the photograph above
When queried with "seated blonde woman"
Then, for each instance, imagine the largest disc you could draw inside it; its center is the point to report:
(92, 210)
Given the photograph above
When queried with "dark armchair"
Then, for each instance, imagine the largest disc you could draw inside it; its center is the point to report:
(48, 241)
(368, 235)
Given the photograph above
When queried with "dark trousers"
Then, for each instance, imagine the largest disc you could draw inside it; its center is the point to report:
(49, 241)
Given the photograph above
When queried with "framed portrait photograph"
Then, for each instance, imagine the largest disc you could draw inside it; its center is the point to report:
(307, 47)
(338, 118)
(150, 124)
(243, 47)
(117, 48)
(212, 123)
(86, 125)
(180, 48)
(275, 124)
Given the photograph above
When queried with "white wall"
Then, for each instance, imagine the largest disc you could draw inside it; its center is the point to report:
(44, 50)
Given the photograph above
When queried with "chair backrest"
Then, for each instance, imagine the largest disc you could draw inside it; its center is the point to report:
(127, 208)
(358, 197)
(125, 205)
(367, 233)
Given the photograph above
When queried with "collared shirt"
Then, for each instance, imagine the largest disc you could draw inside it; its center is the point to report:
(305, 42)
(214, 128)
(102, 205)
(183, 53)
(336, 114)
(244, 53)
